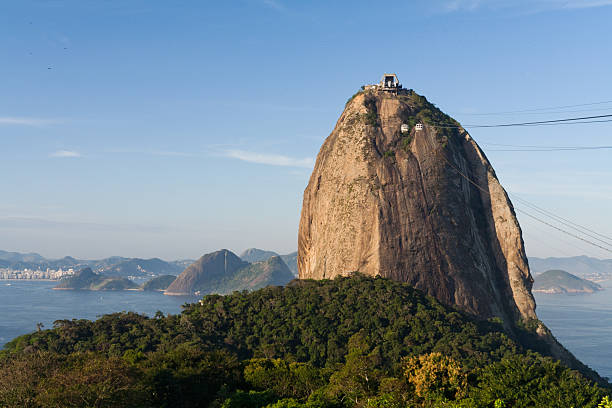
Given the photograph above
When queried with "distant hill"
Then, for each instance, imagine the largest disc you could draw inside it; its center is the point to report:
(113, 266)
(159, 283)
(582, 266)
(86, 279)
(224, 272)
(256, 255)
(17, 257)
(291, 261)
(271, 272)
(558, 281)
(142, 267)
(205, 271)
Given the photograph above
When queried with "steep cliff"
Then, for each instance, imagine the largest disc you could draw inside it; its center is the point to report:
(422, 206)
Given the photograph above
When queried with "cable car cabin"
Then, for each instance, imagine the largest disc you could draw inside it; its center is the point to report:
(419, 126)
(390, 83)
(404, 128)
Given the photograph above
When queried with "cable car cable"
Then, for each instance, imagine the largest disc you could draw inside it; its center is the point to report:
(583, 119)
(540, 109)
(525, 212)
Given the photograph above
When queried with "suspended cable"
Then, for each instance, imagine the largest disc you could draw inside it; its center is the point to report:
(547, 147)
(559, 149)
(583, 119)
(543, 112)
(539, 109)
(561, 239)
(563, 231)
(523, 211)
(606, 239)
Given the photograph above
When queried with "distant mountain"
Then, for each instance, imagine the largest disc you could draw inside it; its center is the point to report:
(159, 283)
(126, 267)
(558, 281)
(114, 266)
(224, 272)
(17, 257)
(183, 263)
(291, 261)
(205, 271)
(86, 279)
(256, 255)
(271, 272)
(582, 266)
(141, 267)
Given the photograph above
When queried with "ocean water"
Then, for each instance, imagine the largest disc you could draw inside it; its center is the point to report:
(582, 323)
(23, 304)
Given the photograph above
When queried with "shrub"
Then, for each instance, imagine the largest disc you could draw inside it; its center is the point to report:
(436, 377)
(406, 140)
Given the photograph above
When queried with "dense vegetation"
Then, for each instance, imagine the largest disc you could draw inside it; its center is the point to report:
(350, 342)
(421, 110)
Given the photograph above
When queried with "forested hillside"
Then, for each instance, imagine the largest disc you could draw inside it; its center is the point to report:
(348, 342)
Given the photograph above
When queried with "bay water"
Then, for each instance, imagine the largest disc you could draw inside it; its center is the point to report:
(24, 303)
(582, 323)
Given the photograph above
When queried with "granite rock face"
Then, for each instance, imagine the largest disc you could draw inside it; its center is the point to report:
(423, 207)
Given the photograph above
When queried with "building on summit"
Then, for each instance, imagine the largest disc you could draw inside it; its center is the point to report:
(388, 83)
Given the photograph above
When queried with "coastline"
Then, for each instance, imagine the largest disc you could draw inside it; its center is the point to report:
(29, 280)
(102, 290)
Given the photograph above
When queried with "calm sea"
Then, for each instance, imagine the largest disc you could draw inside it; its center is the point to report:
(582, 323)
(25, 303)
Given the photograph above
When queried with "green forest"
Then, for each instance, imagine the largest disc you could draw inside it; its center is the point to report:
(348, 342)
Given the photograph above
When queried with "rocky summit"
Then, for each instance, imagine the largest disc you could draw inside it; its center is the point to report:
(401, 190)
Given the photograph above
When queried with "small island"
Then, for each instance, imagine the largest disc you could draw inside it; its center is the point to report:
(86, 279)
(558, 282)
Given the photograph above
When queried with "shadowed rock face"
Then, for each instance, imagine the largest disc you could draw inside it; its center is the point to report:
(424, 208)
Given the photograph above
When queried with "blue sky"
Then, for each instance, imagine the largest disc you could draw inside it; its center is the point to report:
(171, 129)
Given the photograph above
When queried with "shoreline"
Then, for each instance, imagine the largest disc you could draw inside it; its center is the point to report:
(29, 280)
